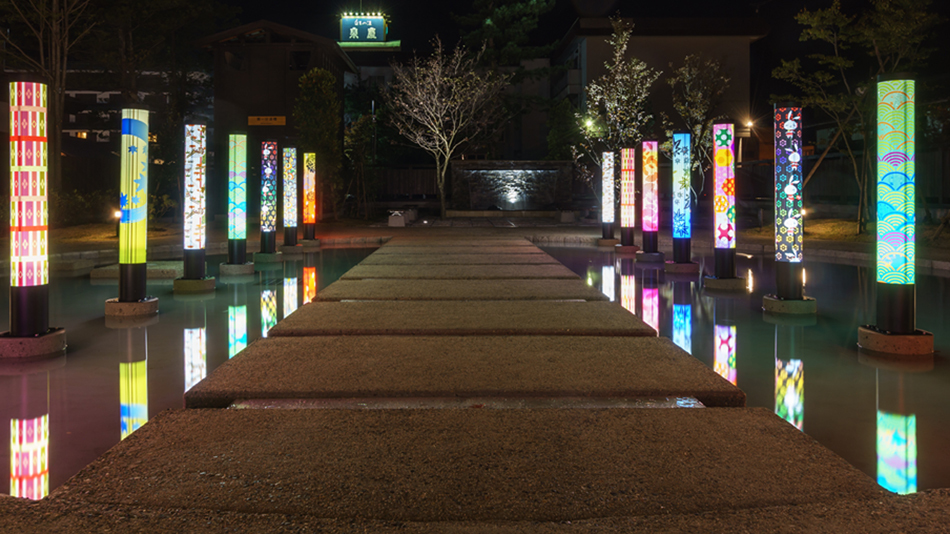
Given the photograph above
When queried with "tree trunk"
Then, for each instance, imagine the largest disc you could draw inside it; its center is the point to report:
(441, 168)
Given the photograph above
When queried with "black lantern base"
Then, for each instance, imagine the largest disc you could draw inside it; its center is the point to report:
(626, 237)
(788, 281)
(237, 251)
(650, 242)
(725, 263)
(896, 308)
(290, 235)
(682, 252)
(132, 279)
(194, 264)
(29, 311)
(269, 242)
(309, 231)
(608, 230)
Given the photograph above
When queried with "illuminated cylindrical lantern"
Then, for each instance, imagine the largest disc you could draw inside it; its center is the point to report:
(269, 197)
(607, 190)
(290, 196)
(789, 224)
(896, 289)
(724, 200)
(237, 199)
(133, 225)
(651, 200)
(309, 195)
(682, 197)
(29, 213)
(194, 210)
(628, 196)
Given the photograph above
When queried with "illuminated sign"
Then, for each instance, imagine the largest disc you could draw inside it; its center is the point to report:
(607, 274)
(133, 396)
(651, 307)
(269, 186)
(267, 121)
(897, 452)
(237, 330)
(195, 147)
(290, 187)
(134, 186)
(309, 188)
(790, 391)
(29, 212)
(29, 457)
(290, 295)
(895, 181)
(363, 28)
(789, 227)
(725, 198)
(651, 202)
(628, 189)
(683, 326)
(196, 360)
(607, 183)
(237, 186)
(682, 163)
(725, 361)
(268, 311)
(309, 284)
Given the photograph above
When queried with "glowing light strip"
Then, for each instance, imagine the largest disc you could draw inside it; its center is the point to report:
(195, 150)
(29, 207)
(628, 193)
(309, 284)
(651, 307)
(269, 186)
(607, 183)
(789, 225)
(682, 165)
(268, 311)
(651, 201)
(134, 187)
(628, 292)
(790, 391)
(607, 274)
(895, 182)
(29, 457)
(290, 187)
(290, 295)
(237, 186)
(725, 362)
(683, 326)
(897, 452)
(196, 357)
(237, 330)
(725, 198)
(133, 396)
(309, 188)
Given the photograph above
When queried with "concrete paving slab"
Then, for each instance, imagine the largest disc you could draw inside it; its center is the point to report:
(925, 512)
(457, 249)
(455, 318)
(459, 272)
(470, 366)
(459, 259)
(537, 289)
(469, 465)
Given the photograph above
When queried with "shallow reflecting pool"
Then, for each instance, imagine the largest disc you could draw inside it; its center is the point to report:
(890, 419)
(59, 416)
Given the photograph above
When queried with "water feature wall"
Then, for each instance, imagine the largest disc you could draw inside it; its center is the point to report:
(511, 185)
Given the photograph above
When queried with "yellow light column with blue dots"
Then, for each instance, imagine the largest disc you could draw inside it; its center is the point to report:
(133, 204)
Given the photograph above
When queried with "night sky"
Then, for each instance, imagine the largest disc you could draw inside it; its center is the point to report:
(415, 22)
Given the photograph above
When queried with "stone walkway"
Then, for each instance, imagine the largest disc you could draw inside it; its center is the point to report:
(427, 391)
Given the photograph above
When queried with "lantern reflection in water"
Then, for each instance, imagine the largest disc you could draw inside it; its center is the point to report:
(268, 311)
(133, 396)
(29, 457)
(196, 357)
(725, 362)
(237, 329)
(309, 284)
(790, 391)
(897, 452)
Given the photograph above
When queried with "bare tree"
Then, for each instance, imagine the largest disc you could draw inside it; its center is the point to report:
(442, 102)
(56, 26)
(618, 114)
